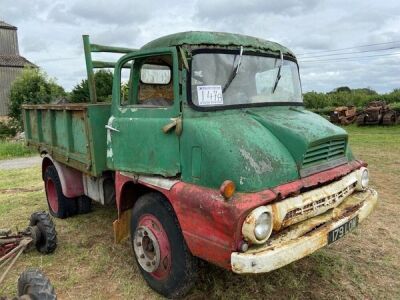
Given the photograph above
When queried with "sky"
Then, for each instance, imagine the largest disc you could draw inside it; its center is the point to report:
(50, 33)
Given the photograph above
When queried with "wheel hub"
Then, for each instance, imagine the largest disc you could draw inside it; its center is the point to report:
(152, 248)
(147, 249)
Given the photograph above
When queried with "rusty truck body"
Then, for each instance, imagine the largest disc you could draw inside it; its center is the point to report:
(207, 152)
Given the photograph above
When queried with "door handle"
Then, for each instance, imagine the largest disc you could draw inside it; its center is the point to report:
(111, 128)
(175, 122)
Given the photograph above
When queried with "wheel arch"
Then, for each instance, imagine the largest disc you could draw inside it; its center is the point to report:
(128, 190)
(71, 179)
(129, 194)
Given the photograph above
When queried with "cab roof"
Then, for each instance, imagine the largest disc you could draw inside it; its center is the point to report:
(224, 39)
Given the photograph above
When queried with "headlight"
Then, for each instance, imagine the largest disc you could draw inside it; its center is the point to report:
(257, 227)
(263, 226)
(362, 179)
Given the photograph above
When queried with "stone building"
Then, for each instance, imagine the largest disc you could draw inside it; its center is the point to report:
(11, 63)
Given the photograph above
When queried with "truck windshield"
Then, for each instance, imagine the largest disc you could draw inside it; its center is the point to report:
(253, 83)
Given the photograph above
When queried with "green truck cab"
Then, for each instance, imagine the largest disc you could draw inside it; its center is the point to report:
(207, 152)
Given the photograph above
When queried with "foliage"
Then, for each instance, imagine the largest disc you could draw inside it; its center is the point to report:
(10, 149)
(103, 80)
(32, 86)
(8, 128)
(341, 89)
(343, 97)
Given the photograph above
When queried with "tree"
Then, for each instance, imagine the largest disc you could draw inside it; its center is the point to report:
(32, 86)
(103, 80)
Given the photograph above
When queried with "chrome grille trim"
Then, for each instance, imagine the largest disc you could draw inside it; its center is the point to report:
(328, 201)
(312, 203)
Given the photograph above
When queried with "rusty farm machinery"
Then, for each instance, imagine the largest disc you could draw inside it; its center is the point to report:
(40, 234)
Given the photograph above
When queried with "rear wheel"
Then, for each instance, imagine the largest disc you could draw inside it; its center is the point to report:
(159, 247)
(59, 205)
(84, 204)
(36, 285)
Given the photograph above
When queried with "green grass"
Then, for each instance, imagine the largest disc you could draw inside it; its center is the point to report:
(11, 149)
(88, 265)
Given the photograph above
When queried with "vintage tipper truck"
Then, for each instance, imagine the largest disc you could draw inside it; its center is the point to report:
(207, 151)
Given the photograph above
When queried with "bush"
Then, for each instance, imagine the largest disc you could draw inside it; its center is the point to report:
(342, 97)
(32, 86)
(7, 130)
(103, 80)
(10, 149)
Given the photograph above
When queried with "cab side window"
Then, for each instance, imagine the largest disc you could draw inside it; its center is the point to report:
(155, 84)
(149, 83)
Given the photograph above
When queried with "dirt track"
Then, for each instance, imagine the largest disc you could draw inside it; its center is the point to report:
(20, 163)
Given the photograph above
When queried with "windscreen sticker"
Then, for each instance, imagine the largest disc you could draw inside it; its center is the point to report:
(210, 95)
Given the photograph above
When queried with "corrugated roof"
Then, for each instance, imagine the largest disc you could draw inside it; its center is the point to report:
(14, 61)
(6, 25)
(217, 39)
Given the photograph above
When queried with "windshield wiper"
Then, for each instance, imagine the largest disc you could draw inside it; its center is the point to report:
(278, 76)
(234, 72)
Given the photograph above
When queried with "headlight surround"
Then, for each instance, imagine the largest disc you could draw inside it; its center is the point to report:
(362, 179)
(257, 227)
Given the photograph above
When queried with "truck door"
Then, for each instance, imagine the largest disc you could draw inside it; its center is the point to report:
(145, 101)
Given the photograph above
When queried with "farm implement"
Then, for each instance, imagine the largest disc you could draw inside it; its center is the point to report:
(41, 234)
(377, 112)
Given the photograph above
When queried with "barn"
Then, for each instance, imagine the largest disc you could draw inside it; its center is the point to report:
(11, 63)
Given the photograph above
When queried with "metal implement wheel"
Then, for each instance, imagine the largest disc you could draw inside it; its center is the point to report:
(159, 247)
(34, 284)
(389, 118)
(59, 205)
(360, 119)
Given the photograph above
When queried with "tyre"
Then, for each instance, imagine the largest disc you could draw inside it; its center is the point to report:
(84, 205)
(46, 242)
(34, 283)
(159, 247)
(59, 205)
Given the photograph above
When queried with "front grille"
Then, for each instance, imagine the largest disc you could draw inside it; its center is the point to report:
(324, 152)
(321, 204)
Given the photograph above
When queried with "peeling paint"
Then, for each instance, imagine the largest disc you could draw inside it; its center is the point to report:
(109, 141)
(110, 153)
(260, 167)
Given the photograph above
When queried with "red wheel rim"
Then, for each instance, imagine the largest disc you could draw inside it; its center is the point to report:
(152, 247)
(52, 195)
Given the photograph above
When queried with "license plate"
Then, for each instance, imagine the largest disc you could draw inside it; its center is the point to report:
(342, 230)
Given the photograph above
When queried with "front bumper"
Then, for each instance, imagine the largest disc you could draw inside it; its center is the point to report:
(304, 238)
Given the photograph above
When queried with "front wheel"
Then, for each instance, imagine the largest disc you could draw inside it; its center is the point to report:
(160, 249)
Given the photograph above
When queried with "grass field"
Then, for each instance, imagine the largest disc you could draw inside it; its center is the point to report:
(11, 149)
(87, 265)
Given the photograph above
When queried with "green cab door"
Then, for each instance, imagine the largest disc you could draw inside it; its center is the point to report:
(145, 101)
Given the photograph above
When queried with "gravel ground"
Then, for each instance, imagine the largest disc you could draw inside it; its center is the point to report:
(19, 163)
